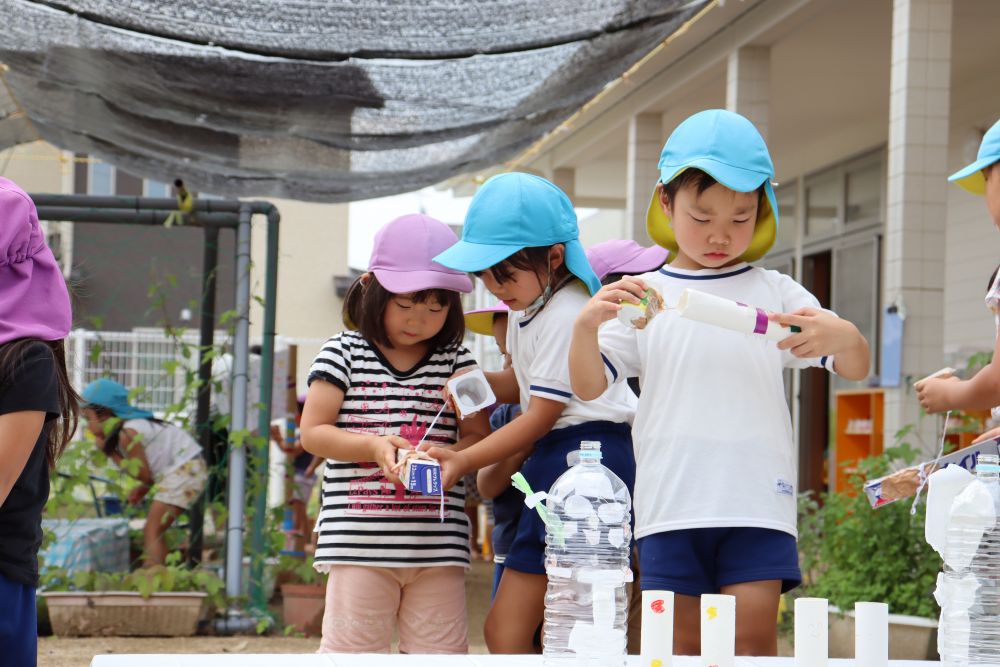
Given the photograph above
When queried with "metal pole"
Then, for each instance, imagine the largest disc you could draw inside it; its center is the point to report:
(257, 599)
(238, 454)
(210, 266)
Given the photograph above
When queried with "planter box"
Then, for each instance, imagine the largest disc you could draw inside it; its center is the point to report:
(910, 637)
(302, 607)
(124, 614)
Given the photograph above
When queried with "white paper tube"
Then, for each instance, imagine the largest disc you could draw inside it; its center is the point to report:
(657, 628)
(718, 631)
(721, 312)
(811, 632)
(871, 634)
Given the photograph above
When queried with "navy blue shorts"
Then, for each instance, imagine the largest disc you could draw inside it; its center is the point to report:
(703, 560)
(18, 624)
(547, 463)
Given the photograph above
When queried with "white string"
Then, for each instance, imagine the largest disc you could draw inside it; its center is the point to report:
(923, 468)
(428, 431)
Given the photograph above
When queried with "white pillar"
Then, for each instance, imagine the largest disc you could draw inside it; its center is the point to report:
(748, 83)
(919, 97)
(645, 139)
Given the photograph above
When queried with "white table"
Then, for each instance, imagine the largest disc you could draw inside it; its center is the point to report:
(370, 660)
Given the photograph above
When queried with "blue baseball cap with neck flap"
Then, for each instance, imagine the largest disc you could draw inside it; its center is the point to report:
(514, 211)
(106, 393)
(970, 177)
(727, 147)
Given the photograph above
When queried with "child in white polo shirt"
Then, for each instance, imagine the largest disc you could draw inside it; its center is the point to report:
(714, 500)
(521, 239)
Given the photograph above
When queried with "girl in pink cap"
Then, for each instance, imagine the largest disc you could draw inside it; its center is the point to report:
(393, 564)
(38, 410)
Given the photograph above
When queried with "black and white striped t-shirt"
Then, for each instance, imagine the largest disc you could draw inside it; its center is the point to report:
(364, 519)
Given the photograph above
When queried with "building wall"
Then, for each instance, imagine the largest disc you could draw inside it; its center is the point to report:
(312, 249)
(971, 245)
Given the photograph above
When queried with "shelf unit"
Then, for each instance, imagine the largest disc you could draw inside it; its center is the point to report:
(858, 433)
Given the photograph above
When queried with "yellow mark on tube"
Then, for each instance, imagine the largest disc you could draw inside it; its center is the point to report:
(712, 612)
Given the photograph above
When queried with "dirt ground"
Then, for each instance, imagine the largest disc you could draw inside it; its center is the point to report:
(78, 652)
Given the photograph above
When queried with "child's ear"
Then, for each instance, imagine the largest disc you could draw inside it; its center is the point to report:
(557, 256)
(665, 204)
(365, 278)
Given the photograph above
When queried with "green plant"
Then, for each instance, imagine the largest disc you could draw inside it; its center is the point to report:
(300, 570)
(173, 577)
(850, 552)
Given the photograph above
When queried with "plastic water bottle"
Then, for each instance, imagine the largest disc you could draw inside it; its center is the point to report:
(969, 629)
(587, 548)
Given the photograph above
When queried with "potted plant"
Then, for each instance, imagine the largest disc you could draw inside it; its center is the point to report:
(165, 600)
(303, 596)
(851, 552)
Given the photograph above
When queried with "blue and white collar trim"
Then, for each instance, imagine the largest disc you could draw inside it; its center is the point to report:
(706, 274)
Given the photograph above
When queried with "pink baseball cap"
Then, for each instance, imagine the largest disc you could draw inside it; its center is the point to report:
(403, 257)
(34, 301)
(622, 256)
(480, 321)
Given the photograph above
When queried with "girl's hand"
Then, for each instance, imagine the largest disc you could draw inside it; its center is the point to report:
(453, 466)
(935, 394)
(384, 454)
(989, 435)
(605, 305)
(823, 333)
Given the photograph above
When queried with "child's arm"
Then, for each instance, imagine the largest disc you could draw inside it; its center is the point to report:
(504, 386)
(471, 430)
(517, 436)
(132, 448)
(826, 335)
(494, 479)
(980, 392)
(321, 438)
(586, 368)
(18, 434)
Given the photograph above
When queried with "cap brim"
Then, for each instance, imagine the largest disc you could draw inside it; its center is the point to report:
(765, 231)
(650, 259)
(471, 257)
(734, 178)
(579, 266)
(405, 282)
(971, 178)
(480, 323)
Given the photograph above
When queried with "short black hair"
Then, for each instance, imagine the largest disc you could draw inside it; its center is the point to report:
(365, 304)
(534, 259)
(701, 181)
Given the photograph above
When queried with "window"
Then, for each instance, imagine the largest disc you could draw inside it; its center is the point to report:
(823, 194)
(157, 189)
(102, 179)
(787, 223)
(864, 191)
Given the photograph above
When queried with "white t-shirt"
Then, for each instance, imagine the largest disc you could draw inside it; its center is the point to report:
(167, 447)
(712, 434)
(222, 373)
(539, 347)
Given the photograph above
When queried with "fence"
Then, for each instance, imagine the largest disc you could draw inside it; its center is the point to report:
(146, 358)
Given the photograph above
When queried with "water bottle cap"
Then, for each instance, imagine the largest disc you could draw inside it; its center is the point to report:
(590, 450)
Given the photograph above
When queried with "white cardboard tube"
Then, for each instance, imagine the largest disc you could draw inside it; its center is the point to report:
(871, 634)
(657, 635)
(718, 631)
(721, 312)
(812, 632)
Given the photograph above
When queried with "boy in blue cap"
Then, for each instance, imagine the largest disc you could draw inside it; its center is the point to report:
(982, 391)
(168, 458)
(521, 239)
(715, 501)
